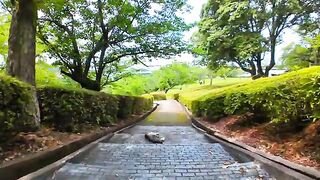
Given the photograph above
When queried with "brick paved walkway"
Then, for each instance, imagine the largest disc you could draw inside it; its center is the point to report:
(186, 154)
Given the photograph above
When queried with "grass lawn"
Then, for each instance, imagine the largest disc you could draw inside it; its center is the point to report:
(195, 91)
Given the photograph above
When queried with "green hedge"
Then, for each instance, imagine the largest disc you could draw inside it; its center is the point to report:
(289, 97)
(63, 108)
(70, 109)
(159, 96)
(129, 105)
(142, 104)
(67, 109)
(176, 96)
(17, 110)
(126, 104)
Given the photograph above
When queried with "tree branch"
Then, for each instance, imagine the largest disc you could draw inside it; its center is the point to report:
(70, 33)
(242, 66)
(55, 50)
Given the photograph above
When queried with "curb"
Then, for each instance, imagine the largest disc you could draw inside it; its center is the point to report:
(43, 162)
(275, 165)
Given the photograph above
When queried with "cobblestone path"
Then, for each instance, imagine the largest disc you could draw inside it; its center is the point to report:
(186, 154)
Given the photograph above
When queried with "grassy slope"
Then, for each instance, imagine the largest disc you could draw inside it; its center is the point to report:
(279, 89)
(263, 83)
(191, 92)
(289, 99)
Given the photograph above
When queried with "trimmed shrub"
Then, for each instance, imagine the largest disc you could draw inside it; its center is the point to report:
(65, 109)
(143, 103)
(68, 109)
(158, 96)
(290, 97)
(126, 104)
(176, 96)
(129, 105)
(17, 110)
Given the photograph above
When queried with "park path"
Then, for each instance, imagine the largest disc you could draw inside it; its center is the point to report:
(186, 153)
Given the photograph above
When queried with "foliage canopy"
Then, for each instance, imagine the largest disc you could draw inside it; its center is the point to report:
(233, 31)
(90, 39)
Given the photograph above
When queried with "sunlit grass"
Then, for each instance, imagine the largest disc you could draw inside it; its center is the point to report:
(192, 96)
(195, 90)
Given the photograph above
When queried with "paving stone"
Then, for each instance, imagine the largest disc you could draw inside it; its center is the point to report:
(121, 161)
(186, 154)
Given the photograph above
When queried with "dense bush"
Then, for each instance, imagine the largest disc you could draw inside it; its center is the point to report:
(17, 108)
(176, 96)
(129, 105)
(142, 104)
(70, 109)
(290, 97)
(126, 104)
(159, 96)
(66, 109)
(62, 108)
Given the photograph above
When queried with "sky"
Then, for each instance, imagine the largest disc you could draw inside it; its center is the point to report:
(289, 36)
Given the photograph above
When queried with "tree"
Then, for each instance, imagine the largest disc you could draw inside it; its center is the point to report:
(234, 31)
(285, 14)
(5, 21)
(133, 85)
(295, 57)
(163, 79)
(22, 44)
(231, 31)
(4, 34)
(173, 75)
(86, 41)
(315, 50)
(22, 48)
(226, 72)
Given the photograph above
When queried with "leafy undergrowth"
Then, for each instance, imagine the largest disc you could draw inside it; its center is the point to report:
(23, 144)
(296, 143)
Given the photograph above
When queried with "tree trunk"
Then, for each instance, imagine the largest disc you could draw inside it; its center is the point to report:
(80, 77)
(317, 60)
(260, 72)
(21, 55)
(90, 84)
(259, 66)
(253, 68)
(252, 71)
(273, 56)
